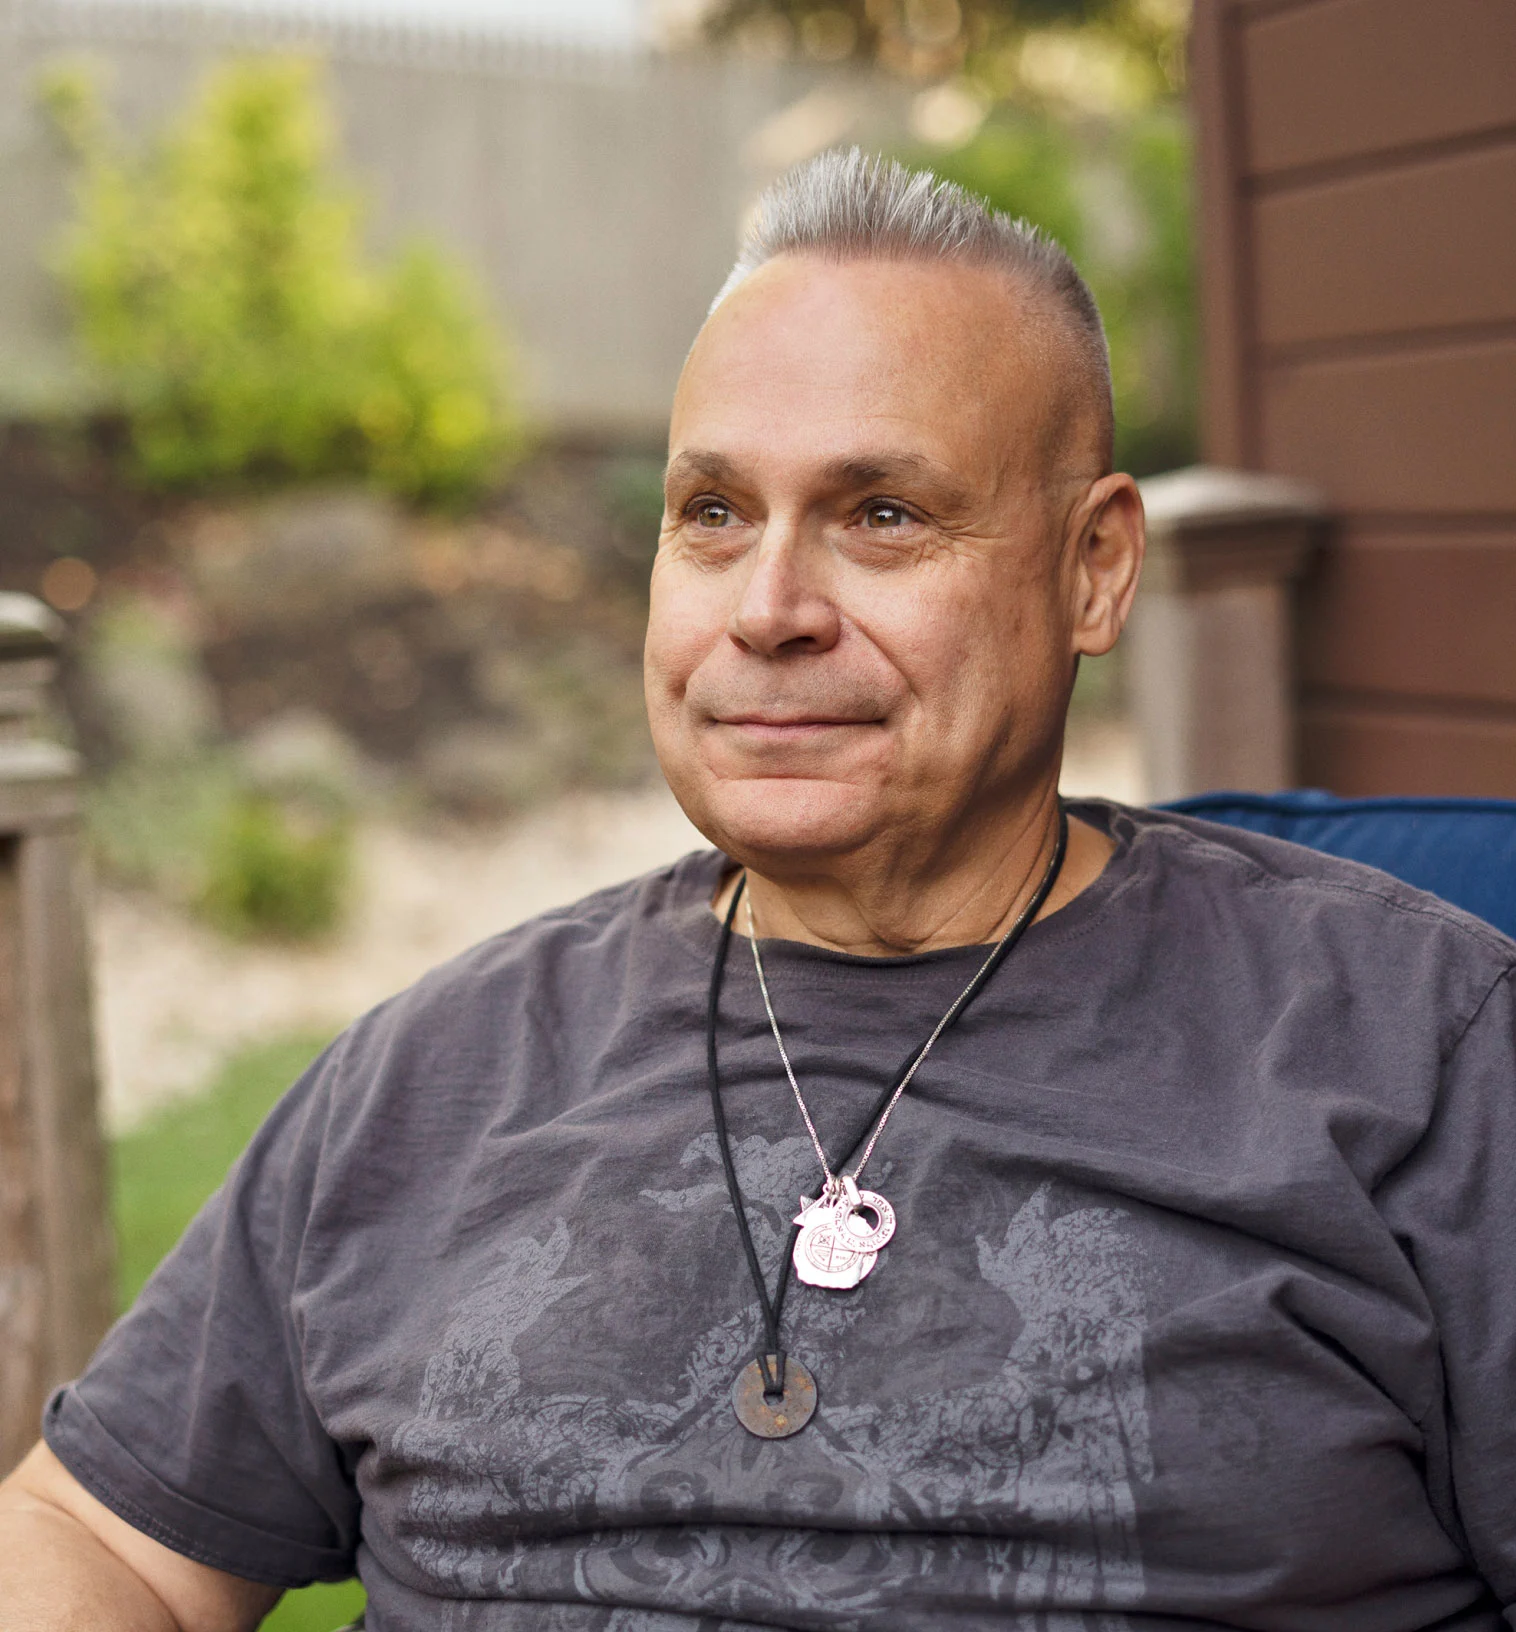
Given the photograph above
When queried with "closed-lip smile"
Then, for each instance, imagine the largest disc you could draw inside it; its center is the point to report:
(789, 722)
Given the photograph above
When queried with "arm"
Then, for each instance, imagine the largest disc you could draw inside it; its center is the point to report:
(1452, 1205)
(193, 1423)
(67, 1561)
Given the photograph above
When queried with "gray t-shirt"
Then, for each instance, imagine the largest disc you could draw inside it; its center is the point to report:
(1200, 1312)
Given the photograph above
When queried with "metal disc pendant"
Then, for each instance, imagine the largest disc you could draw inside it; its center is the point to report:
(825, 1256)
(774, 1418)
(863, 1236)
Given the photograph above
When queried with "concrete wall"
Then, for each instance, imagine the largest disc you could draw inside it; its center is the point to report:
(597, 193)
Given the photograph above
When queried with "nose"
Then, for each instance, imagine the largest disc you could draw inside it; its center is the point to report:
(785, 606)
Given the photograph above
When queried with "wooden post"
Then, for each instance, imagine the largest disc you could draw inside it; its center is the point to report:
(1210, 637)
(1223, 232)
(56, 1252)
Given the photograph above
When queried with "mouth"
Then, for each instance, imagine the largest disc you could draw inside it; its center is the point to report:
(788, 727)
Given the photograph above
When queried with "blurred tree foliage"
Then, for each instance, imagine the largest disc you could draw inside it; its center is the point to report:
(928, 40)
(221, 291)
(1066, 112)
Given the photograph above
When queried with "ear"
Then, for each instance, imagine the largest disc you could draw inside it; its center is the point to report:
(1106, 541)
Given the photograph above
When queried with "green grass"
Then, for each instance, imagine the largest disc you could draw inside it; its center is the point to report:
(163, 1171)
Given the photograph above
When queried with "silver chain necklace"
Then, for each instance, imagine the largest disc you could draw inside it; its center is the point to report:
(844, 1229)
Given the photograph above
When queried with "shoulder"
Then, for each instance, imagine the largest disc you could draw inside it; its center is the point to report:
(586, 943)
(552, 986)
(1306, 913)
(1234, 859)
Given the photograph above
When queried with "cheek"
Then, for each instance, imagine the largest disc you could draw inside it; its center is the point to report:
(976, 657)
(949, 648)
(686, 619)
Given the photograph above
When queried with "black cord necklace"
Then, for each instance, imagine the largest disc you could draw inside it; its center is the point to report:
(773, 1395)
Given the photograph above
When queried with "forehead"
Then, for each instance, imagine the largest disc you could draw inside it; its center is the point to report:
(809, 361)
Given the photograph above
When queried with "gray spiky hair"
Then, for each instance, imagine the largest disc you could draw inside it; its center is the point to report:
(846, 205)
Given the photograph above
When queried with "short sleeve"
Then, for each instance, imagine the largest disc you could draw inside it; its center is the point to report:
(1452, 1204)
(192, 1421)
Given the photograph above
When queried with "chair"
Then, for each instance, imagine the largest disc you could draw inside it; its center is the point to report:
(1463, 850)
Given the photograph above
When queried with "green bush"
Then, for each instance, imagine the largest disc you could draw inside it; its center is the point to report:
(150, 825)
(222, 296)
(194, 834)
(268, 872)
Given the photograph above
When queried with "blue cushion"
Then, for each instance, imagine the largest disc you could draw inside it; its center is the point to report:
(1461, 849)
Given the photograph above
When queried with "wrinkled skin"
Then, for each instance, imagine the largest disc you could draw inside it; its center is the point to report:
(888, 537)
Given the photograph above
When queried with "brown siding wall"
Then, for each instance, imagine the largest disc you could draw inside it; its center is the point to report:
(1357, 169)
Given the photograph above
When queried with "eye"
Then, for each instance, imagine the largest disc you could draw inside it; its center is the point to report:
(712, 513)
(884, 513)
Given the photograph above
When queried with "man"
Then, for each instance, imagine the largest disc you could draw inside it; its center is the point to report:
(1170, 1289)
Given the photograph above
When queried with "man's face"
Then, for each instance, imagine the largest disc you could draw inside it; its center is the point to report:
(863, 623)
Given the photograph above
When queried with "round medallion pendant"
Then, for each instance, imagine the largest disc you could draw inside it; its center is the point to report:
(863, 1236)
(774, 1418)
(827, 1251)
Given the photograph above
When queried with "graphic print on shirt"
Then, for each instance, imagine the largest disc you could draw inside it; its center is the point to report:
(513, 1482)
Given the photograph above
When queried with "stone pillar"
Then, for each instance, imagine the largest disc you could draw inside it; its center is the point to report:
(1210, 637)
(56, 1253)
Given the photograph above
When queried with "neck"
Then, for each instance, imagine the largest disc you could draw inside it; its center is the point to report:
(890, 910)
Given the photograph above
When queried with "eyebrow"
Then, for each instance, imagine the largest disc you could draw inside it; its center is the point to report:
(696, 465)
(853, 472)
(875, 470)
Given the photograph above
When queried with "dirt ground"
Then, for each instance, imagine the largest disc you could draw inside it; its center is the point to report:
(175, 999)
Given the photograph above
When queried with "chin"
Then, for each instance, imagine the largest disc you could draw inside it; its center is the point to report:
(765, 822)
